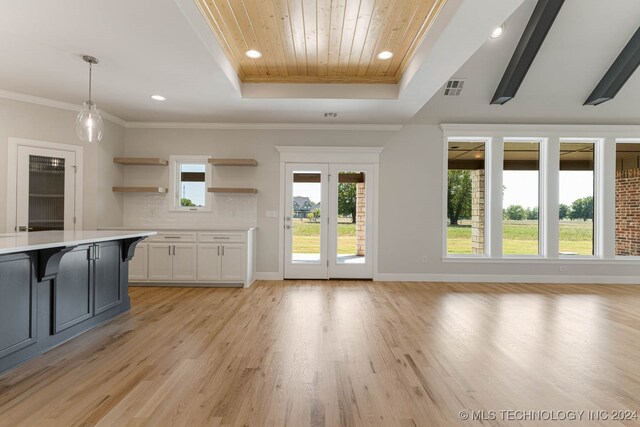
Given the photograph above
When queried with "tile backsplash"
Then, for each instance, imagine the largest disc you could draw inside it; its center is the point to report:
(154, 210)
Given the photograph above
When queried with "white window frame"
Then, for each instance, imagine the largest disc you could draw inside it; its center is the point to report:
(598, 172)
(606, 137)
(487, 197)
(542, 196)
(174, 184)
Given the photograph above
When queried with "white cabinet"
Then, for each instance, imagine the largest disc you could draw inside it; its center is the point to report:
(168, 262)
(192, 257)
(231, 263)
(208, 262)
(138, 266)
(221, 263)
(160, 261)
(184, 262)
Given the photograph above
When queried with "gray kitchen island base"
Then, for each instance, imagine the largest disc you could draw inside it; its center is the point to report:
(52, 294)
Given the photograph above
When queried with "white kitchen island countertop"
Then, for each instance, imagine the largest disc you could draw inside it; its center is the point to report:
(33, 241)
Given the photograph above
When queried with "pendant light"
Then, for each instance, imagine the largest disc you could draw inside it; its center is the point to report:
(89, 124)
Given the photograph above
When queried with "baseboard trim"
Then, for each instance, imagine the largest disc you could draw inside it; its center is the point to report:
(501, 278)
(185, 285)
(267, 275)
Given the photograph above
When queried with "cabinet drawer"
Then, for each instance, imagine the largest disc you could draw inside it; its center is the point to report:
(173, 237)
(221, 237)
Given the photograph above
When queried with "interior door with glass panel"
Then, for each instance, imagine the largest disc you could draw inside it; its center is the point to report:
(350, 219)
(45, 196)
(306, 200)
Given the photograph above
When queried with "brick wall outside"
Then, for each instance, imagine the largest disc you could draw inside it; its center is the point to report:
(360, 219)
(477, 212)
(628, 212)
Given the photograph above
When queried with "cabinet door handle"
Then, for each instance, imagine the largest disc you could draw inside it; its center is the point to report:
(169, 250)
(174, 249)
(223, 251)
(172, 237)
(97, 251)
(218, 250)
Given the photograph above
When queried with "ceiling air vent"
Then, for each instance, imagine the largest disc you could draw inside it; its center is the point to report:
(330, 115)
(453, 87)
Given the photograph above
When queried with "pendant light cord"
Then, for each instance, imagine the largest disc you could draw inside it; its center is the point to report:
(90, 69)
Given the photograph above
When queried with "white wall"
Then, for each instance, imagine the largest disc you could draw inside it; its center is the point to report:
(31, 121)
(256, 144)
(410, 216)
(411, 180)
(411, 177)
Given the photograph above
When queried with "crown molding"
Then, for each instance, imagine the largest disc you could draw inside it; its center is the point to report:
(263, 126)
(47, 102)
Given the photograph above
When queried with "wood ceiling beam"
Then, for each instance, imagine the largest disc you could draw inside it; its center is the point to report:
(534, 34)
(620, 71)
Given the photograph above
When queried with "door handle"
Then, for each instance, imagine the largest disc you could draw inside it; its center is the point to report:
(288, 227)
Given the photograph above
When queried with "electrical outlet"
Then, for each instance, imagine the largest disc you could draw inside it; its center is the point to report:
(562, 268)
(425, 259)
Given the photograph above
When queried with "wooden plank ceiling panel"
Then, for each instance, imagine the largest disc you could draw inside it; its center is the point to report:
(320, 41)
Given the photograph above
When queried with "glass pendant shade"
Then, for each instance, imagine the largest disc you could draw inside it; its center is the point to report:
(89, 126)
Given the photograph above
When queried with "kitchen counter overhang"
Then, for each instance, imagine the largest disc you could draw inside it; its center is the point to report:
(55, 285)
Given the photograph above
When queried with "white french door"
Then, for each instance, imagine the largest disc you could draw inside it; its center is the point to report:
(45, 189)
(328, 221)
(306, 227)
(350, 221)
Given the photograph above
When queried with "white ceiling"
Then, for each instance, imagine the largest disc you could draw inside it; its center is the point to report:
(164, 47)
(584, 41)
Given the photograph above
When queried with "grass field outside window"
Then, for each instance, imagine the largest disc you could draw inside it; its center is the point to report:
(520, 237)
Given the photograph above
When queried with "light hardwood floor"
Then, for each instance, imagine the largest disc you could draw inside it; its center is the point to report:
(305, 353)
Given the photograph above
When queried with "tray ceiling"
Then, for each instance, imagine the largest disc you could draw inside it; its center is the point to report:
(320, 41)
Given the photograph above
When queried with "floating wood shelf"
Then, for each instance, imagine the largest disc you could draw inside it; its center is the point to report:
(139, 190)
(140, 161)
(232, 190)
(233, 162)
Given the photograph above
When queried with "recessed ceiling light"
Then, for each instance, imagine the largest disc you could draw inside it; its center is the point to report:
(158, 97)
(498, 32)
(253, 54)
(385, 54)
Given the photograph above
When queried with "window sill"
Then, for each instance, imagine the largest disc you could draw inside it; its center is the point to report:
(202, 210)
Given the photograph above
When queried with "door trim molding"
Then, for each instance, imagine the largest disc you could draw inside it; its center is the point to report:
(315, 154)
(12, 175)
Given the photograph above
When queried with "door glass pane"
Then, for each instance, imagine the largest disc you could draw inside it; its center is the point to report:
(46, 193)
(521, 195)
(351, 217)
(305, 217)
(576, 198)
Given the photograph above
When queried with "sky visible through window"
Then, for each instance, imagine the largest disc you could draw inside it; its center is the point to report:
(310, 190)
(194, 191)
(519, 186)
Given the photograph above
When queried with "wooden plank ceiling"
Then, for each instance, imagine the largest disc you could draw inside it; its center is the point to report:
(320, 41)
